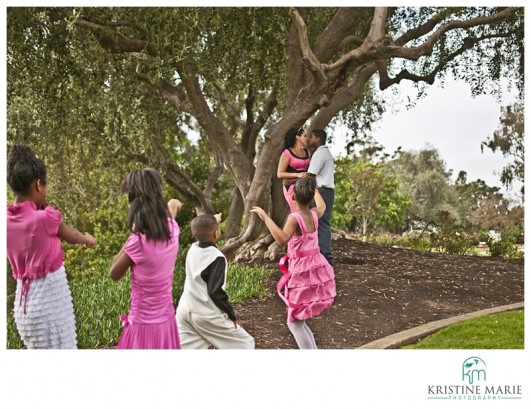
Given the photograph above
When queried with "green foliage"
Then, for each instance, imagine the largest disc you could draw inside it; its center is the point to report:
(498, 331)
(423, 177)
(419, 242)
(245, 282)
(99, 301)
(13, 339)
(509, 140)
(504, 247)
(110, 232)
(448, 235)
(367, 196)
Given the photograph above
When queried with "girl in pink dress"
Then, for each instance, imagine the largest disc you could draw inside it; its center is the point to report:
(309, 281)
(43, 311)
(150, 251)
(294, 162)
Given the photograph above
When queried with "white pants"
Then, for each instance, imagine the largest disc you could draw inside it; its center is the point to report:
(200, 331)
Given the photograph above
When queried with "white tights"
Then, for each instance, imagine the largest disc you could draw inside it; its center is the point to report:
(303, 335)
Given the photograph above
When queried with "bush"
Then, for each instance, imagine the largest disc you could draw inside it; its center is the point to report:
(448, 235)
(419, 242)
(505, 247)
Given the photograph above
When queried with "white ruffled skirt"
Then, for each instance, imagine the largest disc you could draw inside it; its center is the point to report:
(48, 320)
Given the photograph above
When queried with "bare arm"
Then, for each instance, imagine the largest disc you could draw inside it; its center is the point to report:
(320, 205)
(120, 265)
(74, 236)
(174, 206)
(281, 236)
(282, 172)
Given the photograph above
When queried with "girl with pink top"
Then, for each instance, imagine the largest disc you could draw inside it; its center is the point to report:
(309, 281)
(43, 311)
(294, 162)
(150, 251)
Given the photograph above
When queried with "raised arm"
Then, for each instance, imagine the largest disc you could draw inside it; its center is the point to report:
(174, 206)
(74, 236)
(281, 236)
(320, 205)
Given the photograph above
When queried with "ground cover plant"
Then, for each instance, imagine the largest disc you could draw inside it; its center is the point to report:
(99, 301)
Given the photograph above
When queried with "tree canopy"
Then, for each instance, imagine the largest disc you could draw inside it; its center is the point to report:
(206, 95)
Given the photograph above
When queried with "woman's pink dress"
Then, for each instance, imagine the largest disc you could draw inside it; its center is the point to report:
(296, 164)
(309, 280)
(151, 321)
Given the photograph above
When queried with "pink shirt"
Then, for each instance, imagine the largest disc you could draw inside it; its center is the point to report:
(296, 163)
(152, 276)
(33, 247)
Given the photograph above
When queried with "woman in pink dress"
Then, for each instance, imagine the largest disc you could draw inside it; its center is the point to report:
(309, 281)
(150, 251)
(294, 162)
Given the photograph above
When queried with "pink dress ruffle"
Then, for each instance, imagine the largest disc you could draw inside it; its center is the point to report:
(150, 336)
(311, 286)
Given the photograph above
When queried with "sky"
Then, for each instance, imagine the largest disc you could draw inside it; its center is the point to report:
(448, 119)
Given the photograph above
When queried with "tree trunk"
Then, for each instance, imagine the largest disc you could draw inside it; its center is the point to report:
(234, 218)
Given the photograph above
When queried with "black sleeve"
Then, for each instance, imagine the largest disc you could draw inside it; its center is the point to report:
(214, 277)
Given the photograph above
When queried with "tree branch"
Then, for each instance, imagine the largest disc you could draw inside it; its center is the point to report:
(373, 49)
(335, 36)
(214, 176)
(177, 178)
(240, 167)
(468, 43)
(167, 91)
(308, 57)
(110, 39)
(425, 28)
(344, 97)
(229, 109)
(426, 48)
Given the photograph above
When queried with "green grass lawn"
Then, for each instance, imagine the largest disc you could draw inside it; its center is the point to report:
(498, 331)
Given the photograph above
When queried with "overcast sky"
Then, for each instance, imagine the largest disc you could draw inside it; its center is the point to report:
(451, 121)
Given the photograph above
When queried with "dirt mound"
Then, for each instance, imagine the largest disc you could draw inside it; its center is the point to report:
(383, 290)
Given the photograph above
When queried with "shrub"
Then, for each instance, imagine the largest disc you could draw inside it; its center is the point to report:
(419, 242)
(505, 247)
(448, 235)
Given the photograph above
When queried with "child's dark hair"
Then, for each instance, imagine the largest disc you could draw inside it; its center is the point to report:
(148, 212)
(304, 190)
(203, 226)
(24, 168)
(291, 137)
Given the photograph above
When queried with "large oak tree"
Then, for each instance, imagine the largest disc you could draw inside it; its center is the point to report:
(133, 83)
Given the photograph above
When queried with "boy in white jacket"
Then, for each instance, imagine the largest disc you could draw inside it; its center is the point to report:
(204, 314)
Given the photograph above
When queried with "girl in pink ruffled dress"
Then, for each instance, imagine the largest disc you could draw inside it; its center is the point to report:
(43, 311)
(308, 281)
(150, 251)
